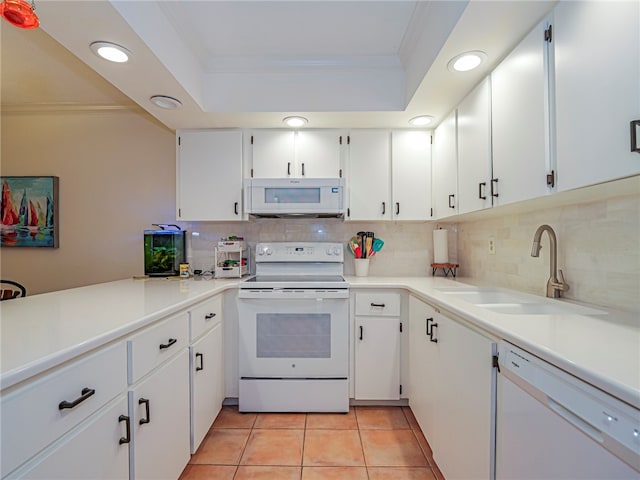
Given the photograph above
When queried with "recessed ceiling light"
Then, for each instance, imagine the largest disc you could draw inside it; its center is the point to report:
(111, 51)
(466, 61)
(295, 121)
(166, 102)
(421, 121)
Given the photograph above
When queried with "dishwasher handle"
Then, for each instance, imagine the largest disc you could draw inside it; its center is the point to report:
(575, 420)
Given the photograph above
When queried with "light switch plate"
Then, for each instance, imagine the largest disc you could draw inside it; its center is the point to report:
(492, 246)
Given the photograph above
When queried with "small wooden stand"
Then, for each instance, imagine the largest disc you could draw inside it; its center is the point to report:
(447, 268)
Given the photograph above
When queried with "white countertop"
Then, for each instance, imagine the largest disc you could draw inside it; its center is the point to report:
(42, 331)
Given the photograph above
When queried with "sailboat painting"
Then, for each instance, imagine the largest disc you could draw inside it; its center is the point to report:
(29, 212)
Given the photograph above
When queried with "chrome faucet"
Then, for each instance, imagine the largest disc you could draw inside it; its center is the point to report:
(554, 286)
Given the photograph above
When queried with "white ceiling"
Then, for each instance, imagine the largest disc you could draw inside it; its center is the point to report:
(250, 63)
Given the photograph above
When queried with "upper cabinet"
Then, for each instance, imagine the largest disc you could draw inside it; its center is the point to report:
(474, 149)
(520, 121)
(319, 153)
(389, 175)
(368, 175)
(445, 168)
(597, 82)
(411, 175)
(286, 153)
(209, 175)
(273, 154)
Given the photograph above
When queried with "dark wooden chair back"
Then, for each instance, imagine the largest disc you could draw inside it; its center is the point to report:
(10, 289)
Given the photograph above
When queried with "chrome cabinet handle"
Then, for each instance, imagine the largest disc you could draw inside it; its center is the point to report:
(127, 438)
(145, 401)
(85, 393)
(171, 341)
(201, 367)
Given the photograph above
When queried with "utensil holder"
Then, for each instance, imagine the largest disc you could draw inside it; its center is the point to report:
(361, 267)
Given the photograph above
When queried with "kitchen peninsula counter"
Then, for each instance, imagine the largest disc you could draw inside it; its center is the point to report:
(44, 331)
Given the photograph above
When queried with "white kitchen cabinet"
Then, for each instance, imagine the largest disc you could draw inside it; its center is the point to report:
(97, 448)
(445, 168)
(369, 173)
(305, 153)
(423, 366)
(207, 384)
(209, 175)
(319, 153)
(377, 346)
(453, 398)
(520, 121)
(597, 81)
(45, 409)
(411, 175)
(273, 154)
(474, 149)
(159, 410)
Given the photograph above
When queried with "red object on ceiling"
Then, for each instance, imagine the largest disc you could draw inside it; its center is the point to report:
(19, 13)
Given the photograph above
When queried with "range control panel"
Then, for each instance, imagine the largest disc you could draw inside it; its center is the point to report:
(299, 252)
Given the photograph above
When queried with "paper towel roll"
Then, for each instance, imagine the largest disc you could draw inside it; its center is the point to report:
(440, 246)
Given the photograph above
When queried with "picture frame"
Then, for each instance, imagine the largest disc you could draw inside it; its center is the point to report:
(29, 211)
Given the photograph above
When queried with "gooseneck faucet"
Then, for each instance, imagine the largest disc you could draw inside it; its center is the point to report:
(554, 286)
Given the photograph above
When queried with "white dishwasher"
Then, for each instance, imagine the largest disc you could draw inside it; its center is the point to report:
(551, 425)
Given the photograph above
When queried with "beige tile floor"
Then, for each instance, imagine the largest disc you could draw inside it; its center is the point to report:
(368, 443)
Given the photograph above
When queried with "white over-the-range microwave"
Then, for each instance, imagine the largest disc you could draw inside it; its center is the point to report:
(304, 197)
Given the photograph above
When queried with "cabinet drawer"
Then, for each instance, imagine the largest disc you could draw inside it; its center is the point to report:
(205, 315)
(378, 304)
(157, 344)
(32, 416)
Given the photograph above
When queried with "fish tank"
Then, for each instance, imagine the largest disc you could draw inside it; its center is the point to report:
(164, 251)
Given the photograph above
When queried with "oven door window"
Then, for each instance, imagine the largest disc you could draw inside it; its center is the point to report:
(293, 335)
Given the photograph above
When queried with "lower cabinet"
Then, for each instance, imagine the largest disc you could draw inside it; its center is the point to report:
(377, 345)
(207, 383)
(452, 391)
(159, 406)
(98, 448)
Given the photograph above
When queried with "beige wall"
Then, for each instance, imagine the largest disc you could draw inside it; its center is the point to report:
(117, 176)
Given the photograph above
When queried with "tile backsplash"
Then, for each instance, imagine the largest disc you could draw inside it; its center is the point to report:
(598, 251)
(598, 247)
(407, 251)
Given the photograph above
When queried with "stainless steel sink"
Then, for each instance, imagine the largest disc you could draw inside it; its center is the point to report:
(515, 303)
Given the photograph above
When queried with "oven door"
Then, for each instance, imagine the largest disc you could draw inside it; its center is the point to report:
(293, 337)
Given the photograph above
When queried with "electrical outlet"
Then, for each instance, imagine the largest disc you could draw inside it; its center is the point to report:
(492, 246)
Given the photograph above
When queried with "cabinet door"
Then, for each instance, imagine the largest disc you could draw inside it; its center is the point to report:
(445, 168)
(369, 175)
(206, 383)
(411, 175)
(377, 352)
(92, 450)
(474, 149)
(597, 90)
(209, 177)
(520, 121)
(423, 366)
(159, 407)
(466, 402)
(273, 154)
(318, 154)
